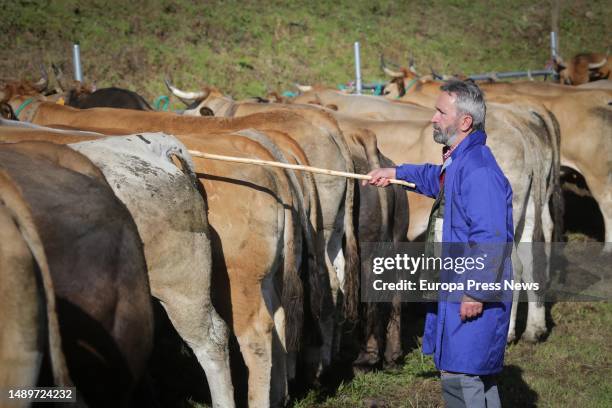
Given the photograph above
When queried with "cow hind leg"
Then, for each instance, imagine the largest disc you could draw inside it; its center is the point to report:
(261, 349)
(517, 269)
(20, 311)
(393, 345)
(605, 205)
(208, 338)
(335, 262)
(536, 316)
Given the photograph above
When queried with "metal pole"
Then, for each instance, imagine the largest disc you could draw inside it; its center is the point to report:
(554, 45)
(76, 59)
(357, 70)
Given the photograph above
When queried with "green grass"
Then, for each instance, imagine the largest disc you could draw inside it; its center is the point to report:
(247, 48)
(572, 368)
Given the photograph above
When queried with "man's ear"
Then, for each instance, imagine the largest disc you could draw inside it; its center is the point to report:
(466, 123)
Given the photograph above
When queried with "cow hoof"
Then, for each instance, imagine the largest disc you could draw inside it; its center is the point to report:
(363, 368)
(366, 359)
(391, 366)
(511, 338)
(533, 336)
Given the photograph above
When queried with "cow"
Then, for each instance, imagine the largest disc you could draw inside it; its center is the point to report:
(85, 96)
(168, 208)
(583, 68)
(30, 328)
(106, 98)
(258, 249)
(97, 265)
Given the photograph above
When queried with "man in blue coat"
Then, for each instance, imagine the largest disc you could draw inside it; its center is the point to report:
(466, 333)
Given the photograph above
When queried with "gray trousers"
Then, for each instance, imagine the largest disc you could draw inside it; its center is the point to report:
(469, 391)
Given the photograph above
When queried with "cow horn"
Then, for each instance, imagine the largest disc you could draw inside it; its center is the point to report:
(411, 64)
(43, 82)
(304, 88)
(394, 74)
(559, 61)
(382, 62)
(59, 78)
(387, 71)
(187, 97)
(598, 64)
(435, 75)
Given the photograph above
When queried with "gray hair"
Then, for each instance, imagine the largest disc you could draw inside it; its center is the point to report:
(469, 100)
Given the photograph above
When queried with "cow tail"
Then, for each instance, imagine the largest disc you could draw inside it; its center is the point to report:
(558, 205)
(24, 219)
(538, 187)
(293, 293)
(554, 191)
(385, 195)
(351, 248)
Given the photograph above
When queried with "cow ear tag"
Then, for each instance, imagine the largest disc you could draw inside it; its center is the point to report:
(60, 101)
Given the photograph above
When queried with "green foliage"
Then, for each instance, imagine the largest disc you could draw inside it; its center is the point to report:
(249, 47)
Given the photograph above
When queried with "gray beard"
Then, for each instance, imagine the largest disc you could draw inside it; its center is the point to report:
(445, 138)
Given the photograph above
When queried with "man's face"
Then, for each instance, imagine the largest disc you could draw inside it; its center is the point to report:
(445, 120)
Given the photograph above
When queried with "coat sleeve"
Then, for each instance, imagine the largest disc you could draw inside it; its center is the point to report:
(425, 176)
(484, 194)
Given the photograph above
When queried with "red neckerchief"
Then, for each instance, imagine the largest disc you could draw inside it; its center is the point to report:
(446, 153)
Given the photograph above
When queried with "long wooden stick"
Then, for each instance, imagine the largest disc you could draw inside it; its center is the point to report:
(299, 167)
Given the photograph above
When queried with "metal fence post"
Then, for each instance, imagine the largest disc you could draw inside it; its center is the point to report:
(76, 59)
(357, 70)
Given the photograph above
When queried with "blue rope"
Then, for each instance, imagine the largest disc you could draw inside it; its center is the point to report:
(158, 101)
(22, 106)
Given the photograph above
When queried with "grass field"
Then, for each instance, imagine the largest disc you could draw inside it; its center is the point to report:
(246, 48)
(572, 368)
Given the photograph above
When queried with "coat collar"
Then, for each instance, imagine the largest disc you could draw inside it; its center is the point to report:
(476, 138)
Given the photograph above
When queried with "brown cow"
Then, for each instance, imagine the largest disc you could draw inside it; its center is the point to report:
(30, 326)
(97, 266)
(583, 68)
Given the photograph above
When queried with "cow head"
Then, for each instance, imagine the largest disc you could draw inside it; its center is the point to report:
(401, 79)
(207, 102)
(275, 97)
(564, 70)
(583, 68)
(78, 93)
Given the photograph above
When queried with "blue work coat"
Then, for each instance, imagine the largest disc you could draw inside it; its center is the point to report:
(478, 209)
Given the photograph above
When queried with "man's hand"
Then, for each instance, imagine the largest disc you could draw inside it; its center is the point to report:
(470, 308)
(380, 177)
